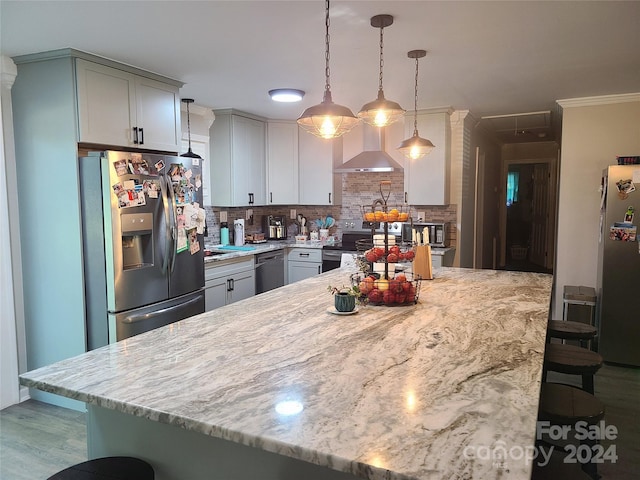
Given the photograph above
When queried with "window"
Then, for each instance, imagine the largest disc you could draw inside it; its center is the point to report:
(512, 187)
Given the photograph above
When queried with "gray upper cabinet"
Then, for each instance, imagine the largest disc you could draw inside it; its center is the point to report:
(282, 163)
(238, 151)
(318, 157)
(119, 108)
(426, 180)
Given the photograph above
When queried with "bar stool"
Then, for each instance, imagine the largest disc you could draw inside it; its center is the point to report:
(557, 469)
(568, 330)
(563, 405)
(573, 361)
(107, 468)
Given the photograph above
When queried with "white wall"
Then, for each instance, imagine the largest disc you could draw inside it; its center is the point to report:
(594, 131)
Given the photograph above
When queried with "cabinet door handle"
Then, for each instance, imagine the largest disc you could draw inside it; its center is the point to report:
(329, 197)
(135, 135)
(271, 197)
(319, 269)
(233, 284)
(303, 254)
(141, 136)
(405, 197)
(251, 199)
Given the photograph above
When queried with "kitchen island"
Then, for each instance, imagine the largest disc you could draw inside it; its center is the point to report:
(276, 387)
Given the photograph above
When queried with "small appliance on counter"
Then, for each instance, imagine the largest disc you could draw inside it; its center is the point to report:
(224, 233)
(238, 232)
(437, 232)
(275, 227)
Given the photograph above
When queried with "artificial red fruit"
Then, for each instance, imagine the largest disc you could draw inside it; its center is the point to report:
(409, 255)
(375, 296)
(392, 258)
(401, 257)
(395, 286)
(379, 251)
(401, 277)
(371, 256)
(401, 297)
(406, 286)
(389, 297)
(394, 249)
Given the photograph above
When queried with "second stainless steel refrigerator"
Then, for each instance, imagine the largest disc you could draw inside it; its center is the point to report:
(142, 225)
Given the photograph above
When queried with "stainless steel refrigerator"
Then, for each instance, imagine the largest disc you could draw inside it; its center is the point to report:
(142, 227)
(618, 281)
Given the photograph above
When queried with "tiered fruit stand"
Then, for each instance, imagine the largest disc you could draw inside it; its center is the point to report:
(378, 259)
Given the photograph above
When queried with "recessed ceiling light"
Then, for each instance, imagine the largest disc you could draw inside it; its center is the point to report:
(286, 95)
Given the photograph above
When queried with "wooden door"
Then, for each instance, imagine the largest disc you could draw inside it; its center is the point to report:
(539, 214)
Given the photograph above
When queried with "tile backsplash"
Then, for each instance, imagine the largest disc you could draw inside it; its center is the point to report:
(358, 189)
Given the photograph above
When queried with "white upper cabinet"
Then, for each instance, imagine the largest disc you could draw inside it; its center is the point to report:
(238, 151)
(119, 108)
(318, 184)
(426, 180)
(282, 163)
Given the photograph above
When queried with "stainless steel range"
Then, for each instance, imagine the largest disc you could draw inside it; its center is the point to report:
(353, 231)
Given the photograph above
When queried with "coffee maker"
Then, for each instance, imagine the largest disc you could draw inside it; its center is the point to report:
(275, 227)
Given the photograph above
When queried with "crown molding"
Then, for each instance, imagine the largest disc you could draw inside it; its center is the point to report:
(601, 100)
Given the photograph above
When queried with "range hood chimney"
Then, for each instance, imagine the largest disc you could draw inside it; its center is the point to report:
(373, 158)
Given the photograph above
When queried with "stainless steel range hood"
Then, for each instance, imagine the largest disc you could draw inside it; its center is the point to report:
(373, 158)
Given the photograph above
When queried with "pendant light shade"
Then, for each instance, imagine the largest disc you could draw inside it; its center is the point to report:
(189, 153)
(327, 119)
(381, 112)
(416, 146)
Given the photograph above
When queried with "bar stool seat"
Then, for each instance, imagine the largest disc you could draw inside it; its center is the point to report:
(568, 330)
(108, 468)
(566, 405)
(574, 361)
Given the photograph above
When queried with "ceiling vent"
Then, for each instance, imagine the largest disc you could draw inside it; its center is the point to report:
(373, 158)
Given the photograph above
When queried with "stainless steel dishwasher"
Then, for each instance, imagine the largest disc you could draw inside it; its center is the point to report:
(269, 271)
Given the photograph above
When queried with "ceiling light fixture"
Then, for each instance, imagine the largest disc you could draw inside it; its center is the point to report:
(327, 120)
(381, 112)
(189, 153)
(286, 95)
(416, 146)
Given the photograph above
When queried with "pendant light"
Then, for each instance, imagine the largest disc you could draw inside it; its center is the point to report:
(381, 112)
(189, 153)
(416, 146)
(327, 120)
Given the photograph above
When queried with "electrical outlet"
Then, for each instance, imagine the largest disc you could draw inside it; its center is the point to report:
(421, 217)
(249, 214)
(292, 214)
(223, 216)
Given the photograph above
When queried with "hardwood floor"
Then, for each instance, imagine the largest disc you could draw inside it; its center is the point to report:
(37, 439)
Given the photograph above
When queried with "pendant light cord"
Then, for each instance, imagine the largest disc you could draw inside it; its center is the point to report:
(327, 87)
(415, 104)
(381, 58)
(189, 126)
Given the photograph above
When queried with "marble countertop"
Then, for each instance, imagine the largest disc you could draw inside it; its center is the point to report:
(425, 391)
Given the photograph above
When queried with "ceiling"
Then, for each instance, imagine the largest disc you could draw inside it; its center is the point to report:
(492, 58)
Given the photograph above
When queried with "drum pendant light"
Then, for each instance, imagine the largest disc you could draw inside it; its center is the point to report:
(189, 153)
(381, 112)
(327, 120)
(416, 146)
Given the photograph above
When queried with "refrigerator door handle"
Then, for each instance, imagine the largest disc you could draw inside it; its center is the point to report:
(174, 221)
(157, 313)
(168, 224)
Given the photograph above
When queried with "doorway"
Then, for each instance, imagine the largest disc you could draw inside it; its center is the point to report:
(529, 215)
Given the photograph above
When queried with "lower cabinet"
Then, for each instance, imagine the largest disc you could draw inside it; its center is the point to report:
(303, 263)
(229, 281)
